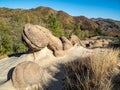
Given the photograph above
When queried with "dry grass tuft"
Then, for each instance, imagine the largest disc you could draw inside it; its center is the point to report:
(92, 73)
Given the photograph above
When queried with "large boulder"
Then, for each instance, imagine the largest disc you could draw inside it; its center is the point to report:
(66, 43)
(36, 37)
(55, 45)
(75, 40)
(26, 74)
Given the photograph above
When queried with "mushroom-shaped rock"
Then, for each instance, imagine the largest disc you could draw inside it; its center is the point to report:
(55, 45)
(75, 40)
(36, 37)
(26, 74)
(66, 43)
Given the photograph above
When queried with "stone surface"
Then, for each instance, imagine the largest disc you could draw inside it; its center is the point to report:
(66, 43)
(75, 40)
(58, 53)
(26, 74)
(96, 43)
(45, 59)
(36, 37)
(55, 45)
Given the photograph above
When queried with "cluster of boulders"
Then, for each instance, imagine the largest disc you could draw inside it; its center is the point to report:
(95, 42)
(37, 37)
(27, 74)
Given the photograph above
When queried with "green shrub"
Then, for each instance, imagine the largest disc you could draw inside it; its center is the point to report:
(55, 26)
(80, 33)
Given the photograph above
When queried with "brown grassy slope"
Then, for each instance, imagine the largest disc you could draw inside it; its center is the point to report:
(109, 26)
(86, 24)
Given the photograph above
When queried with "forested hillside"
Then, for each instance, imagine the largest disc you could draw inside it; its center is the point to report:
(59, 22)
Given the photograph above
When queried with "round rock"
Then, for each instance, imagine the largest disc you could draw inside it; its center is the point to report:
(36, 37)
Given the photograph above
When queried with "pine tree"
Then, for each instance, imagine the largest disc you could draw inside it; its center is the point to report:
(55, 26)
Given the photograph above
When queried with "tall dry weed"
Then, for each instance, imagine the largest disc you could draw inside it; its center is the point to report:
(92, 73)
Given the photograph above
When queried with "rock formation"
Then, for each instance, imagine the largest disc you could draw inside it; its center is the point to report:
(48, 65)
(96, 42)
(29, 75)
(35, 37)
(75, 40)
(55, 45)
(66, 43)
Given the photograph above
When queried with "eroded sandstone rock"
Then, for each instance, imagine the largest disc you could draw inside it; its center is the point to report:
(75, 40)
(26, 74)
(36, 37)
(55, 45)
(66, 43)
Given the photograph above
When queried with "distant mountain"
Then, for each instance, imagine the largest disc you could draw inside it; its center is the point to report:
(108, 25)
(86, 24)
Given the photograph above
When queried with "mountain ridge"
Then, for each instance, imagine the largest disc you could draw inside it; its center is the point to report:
(12, 22)
(41, 14)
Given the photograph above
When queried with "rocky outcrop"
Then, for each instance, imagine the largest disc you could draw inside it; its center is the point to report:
(55, 45)
(29, 75)
(47, 62)
(26, 74)
(96, 42)
(37, 37)
(66, 43)
(74, 39)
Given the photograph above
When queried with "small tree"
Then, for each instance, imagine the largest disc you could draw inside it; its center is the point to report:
(80, 33)
(77, 30)
(98, 31)
(55, 26)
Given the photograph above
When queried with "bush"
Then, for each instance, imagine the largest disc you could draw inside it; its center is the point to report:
(55, 26)
(80, 33)
(19, 47)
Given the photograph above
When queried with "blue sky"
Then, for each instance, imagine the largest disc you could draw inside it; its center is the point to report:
(88, 8)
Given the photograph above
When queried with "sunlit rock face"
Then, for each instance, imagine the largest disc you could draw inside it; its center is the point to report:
(36, 37)
(75, 40)
(66, 43)
(29, 75)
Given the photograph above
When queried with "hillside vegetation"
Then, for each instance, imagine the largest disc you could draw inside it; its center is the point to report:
(59, 22)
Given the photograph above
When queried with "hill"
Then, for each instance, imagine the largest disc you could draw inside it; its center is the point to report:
(109, 26)
(59, 22)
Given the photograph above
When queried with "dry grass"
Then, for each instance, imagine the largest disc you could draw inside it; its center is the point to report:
(3, 56)
(92, 73)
